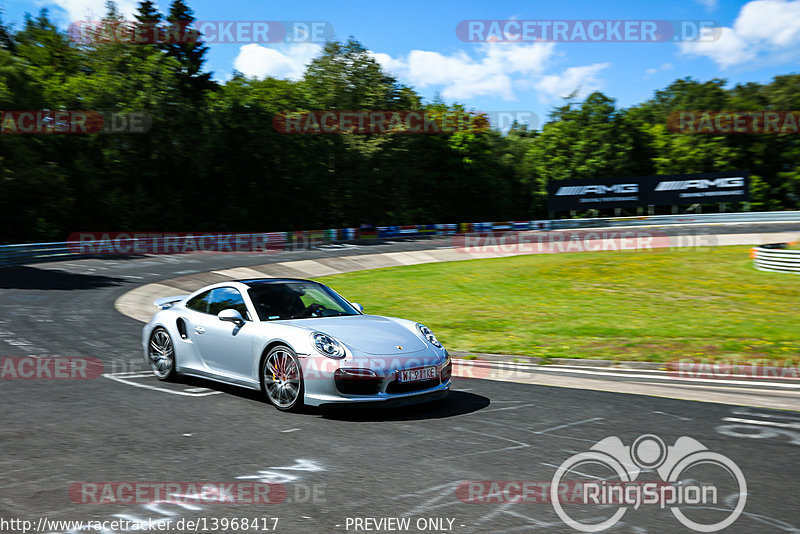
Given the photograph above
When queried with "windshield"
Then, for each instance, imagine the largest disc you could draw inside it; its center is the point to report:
(298, 300)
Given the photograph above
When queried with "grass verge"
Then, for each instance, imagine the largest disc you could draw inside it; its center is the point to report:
(639, 305)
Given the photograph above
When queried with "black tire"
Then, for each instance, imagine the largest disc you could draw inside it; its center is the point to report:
(282, 379)
(161, 354)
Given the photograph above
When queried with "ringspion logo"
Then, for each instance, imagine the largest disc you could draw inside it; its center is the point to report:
(682, 466)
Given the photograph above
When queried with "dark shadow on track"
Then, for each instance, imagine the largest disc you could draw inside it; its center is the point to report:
(456, 403)
(242, 392)
(25, 277)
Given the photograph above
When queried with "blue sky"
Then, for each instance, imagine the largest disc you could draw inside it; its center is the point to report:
(417, 41)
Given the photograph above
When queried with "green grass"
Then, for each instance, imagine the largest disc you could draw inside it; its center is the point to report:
(650, 305)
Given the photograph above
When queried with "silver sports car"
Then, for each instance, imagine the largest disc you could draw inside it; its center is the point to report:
(297, 341)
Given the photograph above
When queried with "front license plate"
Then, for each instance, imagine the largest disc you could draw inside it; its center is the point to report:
(415, 375)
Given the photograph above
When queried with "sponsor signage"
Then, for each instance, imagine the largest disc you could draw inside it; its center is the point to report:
(662, 190)
(701, 188)
(588, 194)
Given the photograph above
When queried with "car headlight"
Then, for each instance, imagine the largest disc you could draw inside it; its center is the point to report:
(428, 333)
(328, 346)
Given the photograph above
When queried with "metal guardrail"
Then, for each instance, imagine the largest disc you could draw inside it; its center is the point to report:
(34, 252)
(708, 218)
(776, 258)
(38, 252)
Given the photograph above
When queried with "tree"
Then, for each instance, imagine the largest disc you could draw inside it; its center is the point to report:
(148, 25)
(212, 161)
(586, 140)
(185, 45)
(148, 12)
(6, 38)
(346, 76)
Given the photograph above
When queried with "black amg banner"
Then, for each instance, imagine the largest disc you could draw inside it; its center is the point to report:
(662, 190)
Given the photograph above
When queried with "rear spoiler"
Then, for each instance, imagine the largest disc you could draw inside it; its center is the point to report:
(167, 302)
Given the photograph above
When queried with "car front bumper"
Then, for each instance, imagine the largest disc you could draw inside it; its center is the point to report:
(385, 399)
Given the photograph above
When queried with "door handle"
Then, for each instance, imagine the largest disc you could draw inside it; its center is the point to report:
(199, 329)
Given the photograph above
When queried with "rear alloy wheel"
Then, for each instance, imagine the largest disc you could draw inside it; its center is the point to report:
(282, 379)
(161, 354)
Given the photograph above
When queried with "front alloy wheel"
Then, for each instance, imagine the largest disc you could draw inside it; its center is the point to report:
(282, 379)
(161, 354)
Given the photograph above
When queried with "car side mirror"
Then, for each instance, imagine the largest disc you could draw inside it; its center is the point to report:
(358, 306)
(232, 316)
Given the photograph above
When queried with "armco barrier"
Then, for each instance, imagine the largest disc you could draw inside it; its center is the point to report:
(37, 252)
(689, 218)
(33, 252)
(772, 258)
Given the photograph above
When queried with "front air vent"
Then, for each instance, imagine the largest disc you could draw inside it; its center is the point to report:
(357, 382)
(181, 324)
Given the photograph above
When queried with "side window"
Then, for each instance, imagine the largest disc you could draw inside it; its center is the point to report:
(200, 302)
(223, 298)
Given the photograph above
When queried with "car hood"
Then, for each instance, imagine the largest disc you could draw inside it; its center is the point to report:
(370, 334)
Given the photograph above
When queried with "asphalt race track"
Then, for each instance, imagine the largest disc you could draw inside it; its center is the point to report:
(338, 467)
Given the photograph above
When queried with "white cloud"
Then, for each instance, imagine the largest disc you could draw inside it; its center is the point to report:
(775, 22)
(582, 80)
(396, 67)
(665, 66)
(93, 9)
(288, 61)
(729, 48)
(766, 30)
(495, 70)
(460, 76)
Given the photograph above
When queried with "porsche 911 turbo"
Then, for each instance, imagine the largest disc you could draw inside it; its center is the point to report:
(297, 341)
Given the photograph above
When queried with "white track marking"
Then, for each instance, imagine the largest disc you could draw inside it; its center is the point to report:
(528, 430)
(761, 423)
(673, 415)
(519, 444)
(156, 388)
(748, 411)
(506, 408)
(545, 431)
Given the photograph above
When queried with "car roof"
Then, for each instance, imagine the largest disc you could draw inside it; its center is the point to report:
(255, 282)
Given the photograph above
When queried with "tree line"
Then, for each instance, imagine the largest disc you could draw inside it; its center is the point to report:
(212, 161)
